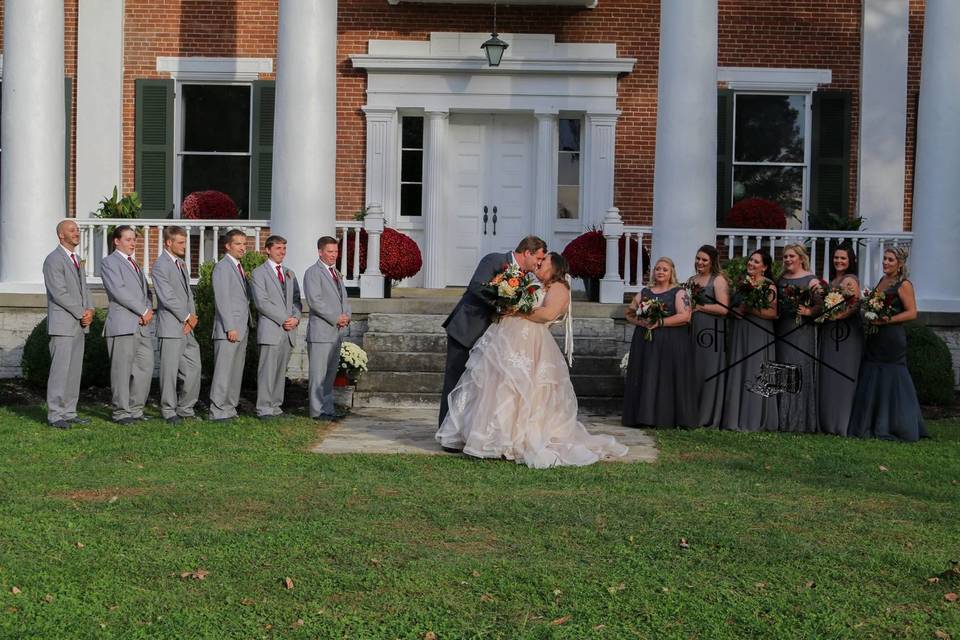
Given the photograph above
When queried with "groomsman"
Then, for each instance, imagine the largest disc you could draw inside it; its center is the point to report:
(69, 314)
(329, 322)
(276, 295)
(129, 331)
(231, 303)
(176, 320)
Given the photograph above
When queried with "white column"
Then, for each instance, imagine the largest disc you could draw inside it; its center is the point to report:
(32, 190)
(99, 102)
(936, 190)
(611, 287)
(381, 165)
(685, 171)
(371, 280)
(435, 142)
(305, 127)
(599, 155)
(545, 197)
(883, 114)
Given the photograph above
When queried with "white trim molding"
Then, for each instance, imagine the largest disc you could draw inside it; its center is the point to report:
(774, 79)
(222, 69)
(587, 4)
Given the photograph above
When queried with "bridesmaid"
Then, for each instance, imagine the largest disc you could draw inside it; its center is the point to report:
(885, 405)
(751, 334)
(660, 387)
(841, 347)
(797, 344)
(709, 352)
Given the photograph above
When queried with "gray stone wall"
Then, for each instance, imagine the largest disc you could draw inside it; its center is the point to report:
(15, 326)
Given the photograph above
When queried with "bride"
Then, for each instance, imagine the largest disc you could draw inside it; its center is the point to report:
(515, 399)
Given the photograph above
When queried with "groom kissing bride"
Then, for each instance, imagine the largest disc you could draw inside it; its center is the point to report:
(506, 388)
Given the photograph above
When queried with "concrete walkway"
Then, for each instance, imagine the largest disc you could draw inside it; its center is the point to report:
(407, 431)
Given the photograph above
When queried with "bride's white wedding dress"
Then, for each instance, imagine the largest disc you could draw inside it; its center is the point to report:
(515, 400)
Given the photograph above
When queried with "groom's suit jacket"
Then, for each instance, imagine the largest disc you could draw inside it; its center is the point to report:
(474, 313)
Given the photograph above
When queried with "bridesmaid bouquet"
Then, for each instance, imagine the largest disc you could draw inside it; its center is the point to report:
(754, 294)
(653, 311)
(797, 297)
(513, 290)
(698, 296)
(834, 303)
(876, 304)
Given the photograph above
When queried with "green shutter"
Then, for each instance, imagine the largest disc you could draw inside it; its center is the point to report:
(154, 147)
(68, 113)
(830, 158)
(261, 165)
(724, 152)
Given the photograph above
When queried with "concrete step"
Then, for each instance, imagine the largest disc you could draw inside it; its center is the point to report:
(392, 400)
(413, 361)
(431, 323)
(432, 382)
(374, 342)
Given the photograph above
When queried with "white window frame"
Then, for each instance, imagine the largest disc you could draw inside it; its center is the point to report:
(179, 121)
(409, 222)
(570, 224)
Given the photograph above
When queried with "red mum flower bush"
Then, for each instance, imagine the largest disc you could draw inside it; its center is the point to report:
(587, 256)
(209, 205)
(756, 213)
(399, 255)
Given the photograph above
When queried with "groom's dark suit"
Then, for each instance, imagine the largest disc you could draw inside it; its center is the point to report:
(468, 320)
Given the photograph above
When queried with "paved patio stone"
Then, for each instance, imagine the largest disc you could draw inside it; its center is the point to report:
(411, 431)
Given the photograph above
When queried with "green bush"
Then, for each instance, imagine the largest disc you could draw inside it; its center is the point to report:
(203, 296)
(96, 360)
(930, 364)
(735, 269)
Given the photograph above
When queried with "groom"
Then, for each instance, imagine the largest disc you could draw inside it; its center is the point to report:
(474, 313)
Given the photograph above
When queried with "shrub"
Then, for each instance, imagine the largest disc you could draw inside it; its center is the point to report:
(203, 332)
(96, 360)
(209, 205)
(735, 270)
(587, 256)
(930, 364)
(399, 255)
(756, 213)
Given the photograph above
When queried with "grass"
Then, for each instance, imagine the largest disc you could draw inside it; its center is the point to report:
(189, 532)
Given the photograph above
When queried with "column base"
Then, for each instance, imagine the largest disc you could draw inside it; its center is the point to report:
(371, 286)
(611, 291)
(938, 305)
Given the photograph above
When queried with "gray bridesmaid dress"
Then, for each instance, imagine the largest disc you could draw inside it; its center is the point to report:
(708, 335)
(798, 411)
(841, 347)
(660, 386)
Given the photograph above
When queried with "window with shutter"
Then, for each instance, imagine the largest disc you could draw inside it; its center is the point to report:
(830, 175)
(261, 172)
(153, 171)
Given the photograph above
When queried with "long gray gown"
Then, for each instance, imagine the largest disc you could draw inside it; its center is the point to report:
(709, 358)
(744, 410)
(841, 347)
(797, 344)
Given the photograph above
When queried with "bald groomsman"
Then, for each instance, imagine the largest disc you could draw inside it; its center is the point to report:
(276, 295)
(329, 322)
(129, 329)
(231, 303)
(176, 320)
(69, 314)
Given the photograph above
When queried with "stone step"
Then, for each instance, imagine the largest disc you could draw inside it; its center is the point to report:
(432, 382)
(430, 324)
(374, 342)
(413, 361)
(392, 400)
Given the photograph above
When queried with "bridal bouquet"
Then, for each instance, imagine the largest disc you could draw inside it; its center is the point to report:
(653, 311)
(513, 290)
(795, 297)
(834, 303)
(754, 293)
(875, 305)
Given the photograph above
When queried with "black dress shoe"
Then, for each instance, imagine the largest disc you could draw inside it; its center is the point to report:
(60, 424)
(125, 421)
(174, 420)
(267, 417)
(231, 419)
(77, 421)
(451, 450)
(326, 417)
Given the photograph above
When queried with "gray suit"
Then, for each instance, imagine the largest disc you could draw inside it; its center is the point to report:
(231, 303)
(179, 353)
(67, 299)
(129, 343)
(327, 301)
(468, 321)
(275, 304)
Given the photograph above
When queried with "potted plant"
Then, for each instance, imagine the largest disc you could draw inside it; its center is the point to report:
(587, 256)
(756, 213)
(129, 206)
(209, 205)
(399, 256)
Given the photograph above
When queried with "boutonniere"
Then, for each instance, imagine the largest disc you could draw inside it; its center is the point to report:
(83, 262)
(288, 274)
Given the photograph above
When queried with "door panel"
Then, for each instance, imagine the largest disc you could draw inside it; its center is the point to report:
(465, 196)
(511, 185)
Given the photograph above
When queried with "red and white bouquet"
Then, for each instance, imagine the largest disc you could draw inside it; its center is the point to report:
(653, 311)
(513, 290)
(835, 302)
(754, 293)
(795, 297)
(877, 305)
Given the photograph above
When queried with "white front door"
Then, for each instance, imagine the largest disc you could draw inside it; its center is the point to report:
(490, 196)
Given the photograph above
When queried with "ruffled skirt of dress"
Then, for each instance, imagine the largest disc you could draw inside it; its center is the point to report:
(515, 400)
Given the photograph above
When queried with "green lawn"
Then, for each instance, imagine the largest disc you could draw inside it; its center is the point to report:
(789, 537)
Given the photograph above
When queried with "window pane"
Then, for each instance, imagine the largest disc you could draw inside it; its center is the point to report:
(568, 202)
(769, 128)
(569, 134)
(568, 169)
(411, 166)
(783, 185)
(216, 117)
(230, 174)
(412, 137)
(411, 199)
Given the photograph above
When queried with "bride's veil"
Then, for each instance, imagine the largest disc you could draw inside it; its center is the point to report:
(568, 325)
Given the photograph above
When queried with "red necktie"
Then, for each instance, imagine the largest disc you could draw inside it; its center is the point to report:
(73, 257)
(333, 272)
(240, 268)
(280, 275)
(135, 265)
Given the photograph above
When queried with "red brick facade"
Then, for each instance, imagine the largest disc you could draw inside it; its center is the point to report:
(756, 33)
